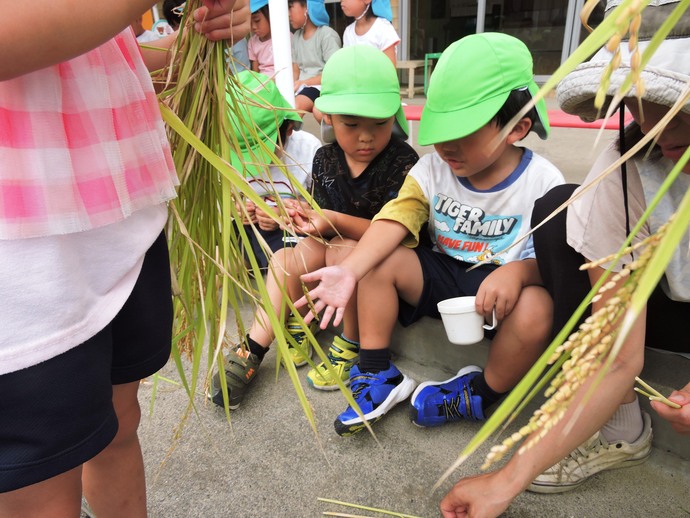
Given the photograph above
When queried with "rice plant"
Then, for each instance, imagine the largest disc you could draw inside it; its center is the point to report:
(572, 358)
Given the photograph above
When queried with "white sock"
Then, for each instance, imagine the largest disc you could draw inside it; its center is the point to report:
(626, 424)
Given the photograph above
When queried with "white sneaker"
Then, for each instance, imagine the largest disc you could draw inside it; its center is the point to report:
(593, 456)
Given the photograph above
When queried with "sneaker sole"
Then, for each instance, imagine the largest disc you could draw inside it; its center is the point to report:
(398, 394)
(545, 488)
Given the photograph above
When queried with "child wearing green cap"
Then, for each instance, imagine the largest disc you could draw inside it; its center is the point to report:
(275, 120)
(476, 192)
(313, 43)
(353, 178)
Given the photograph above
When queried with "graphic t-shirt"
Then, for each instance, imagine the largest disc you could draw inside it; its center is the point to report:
(465, 223)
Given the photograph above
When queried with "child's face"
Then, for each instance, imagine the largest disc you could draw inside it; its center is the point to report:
(361, 138)
(261, 26)
(675, 138)
(475, 156)
(297, 13)
(353, 8)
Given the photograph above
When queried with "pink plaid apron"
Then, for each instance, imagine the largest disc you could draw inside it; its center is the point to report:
(82, 144)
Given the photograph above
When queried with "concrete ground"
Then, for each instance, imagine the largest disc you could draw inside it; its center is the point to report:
(269, 462)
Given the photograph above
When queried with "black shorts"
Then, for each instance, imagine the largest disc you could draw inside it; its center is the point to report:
(275, 239)
(444, 278)
(311, 92)
(58, 414)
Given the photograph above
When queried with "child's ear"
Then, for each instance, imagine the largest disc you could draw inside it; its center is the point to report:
(520, 130)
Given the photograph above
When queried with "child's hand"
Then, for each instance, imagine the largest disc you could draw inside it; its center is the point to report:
(299, 84)
(336, 286)
(500, 290)
(678, 417)
(313, 224)
(223, 19)
(266, 221)
(248, 213)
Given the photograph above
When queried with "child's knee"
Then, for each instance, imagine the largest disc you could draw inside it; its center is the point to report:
(535, 312)
(339, 248)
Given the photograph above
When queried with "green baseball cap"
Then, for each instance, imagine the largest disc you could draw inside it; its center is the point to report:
(470, 84)
(361, 80)
(256, 103)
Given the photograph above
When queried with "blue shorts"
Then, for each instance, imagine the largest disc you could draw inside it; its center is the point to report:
(58, 414)
(444, 278)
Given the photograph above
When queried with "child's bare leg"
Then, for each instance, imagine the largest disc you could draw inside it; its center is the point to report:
(114, 482)
(400, 275)
(520, 340)
(57, 496)
(286, 267)
(337, 251)
(303, 104)
(318, 115)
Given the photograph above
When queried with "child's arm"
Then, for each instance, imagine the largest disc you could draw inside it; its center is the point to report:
(255, 65)
(337, 283)
(390, 52)
(501, 288)
(68, 28)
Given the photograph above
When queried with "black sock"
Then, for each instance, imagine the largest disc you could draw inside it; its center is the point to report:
(374, 360)
(256, 348)
(479, 387)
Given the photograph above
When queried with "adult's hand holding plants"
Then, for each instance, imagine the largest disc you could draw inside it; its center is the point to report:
(223, 19)
(678, 417)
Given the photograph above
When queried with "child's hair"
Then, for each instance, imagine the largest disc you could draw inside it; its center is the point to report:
(301, 2)
(170, 14)
(283, 131)
(516, 101)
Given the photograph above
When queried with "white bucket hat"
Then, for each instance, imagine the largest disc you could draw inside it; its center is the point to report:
(665, 76)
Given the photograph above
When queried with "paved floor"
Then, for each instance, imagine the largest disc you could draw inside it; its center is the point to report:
(268, 461)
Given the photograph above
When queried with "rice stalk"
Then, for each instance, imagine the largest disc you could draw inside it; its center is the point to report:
(214, 271)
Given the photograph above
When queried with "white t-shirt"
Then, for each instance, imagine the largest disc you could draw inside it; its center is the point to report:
(596, 222)
(298, 156)
(468, 224)
(58, 291)
(380, 35)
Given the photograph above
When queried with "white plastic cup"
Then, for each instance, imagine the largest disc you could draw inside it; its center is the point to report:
(464, 326)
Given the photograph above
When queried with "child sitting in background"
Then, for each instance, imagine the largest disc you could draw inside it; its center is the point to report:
(353, 178)
(372, 25)
(275, 120)
(260, 43)
(478, 189)
(312, 44)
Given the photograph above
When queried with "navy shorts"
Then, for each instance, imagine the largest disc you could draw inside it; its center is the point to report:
(444, 278)
(58, 414)
(311, 92)
(275, 239)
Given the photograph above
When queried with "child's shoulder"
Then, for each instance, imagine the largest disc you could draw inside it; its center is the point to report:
(544, 167)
